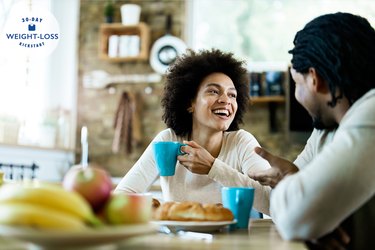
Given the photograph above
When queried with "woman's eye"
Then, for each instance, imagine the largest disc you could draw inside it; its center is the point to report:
(213, 91)
(233, 95)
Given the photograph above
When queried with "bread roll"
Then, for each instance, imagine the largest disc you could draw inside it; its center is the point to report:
(192, 211)
(161, 213)
(186, 211)
(214, 212)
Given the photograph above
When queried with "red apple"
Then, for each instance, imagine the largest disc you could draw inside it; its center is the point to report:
(126, 208)
(93, 183)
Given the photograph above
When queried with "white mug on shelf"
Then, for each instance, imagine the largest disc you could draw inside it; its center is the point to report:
(113, 46)
(130, 14)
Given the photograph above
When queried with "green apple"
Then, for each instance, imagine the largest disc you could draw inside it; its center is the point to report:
(128, 208)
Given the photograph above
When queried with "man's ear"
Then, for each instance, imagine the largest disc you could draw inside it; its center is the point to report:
(319, 85)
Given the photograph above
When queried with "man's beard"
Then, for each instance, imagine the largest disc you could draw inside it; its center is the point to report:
(318, 124)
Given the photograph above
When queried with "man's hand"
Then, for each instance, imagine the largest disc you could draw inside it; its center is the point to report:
(197, 159)
(280, 168)
(337, 240)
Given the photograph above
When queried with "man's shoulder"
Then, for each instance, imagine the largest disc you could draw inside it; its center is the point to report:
(361, 113)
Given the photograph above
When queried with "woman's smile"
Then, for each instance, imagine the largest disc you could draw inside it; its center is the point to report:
(215, 105)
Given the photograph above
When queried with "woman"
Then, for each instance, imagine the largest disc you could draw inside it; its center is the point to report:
(205, 97)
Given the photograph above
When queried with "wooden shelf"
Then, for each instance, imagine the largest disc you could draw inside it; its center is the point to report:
(272, 102)
(142, 30)
(267, 99)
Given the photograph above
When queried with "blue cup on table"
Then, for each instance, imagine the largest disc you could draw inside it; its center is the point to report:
(165, 153)
(239, 200)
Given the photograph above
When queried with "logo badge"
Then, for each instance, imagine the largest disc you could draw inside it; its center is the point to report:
(32, 32)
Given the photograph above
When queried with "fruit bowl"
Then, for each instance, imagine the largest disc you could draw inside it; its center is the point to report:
(85, 239)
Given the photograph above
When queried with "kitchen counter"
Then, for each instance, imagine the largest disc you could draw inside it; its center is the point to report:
(261, 235)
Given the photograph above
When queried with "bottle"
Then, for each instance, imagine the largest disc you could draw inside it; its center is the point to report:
(255, 84)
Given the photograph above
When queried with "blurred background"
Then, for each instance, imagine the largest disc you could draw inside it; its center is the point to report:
(103, 67)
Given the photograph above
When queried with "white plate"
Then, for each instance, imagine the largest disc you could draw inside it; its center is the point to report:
(48, 239)
(195, 226)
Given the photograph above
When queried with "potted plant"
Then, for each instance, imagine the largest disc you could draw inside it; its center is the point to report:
(109, 10)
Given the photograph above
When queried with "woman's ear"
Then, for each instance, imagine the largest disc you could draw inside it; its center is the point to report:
(319, 85)
(190, 109)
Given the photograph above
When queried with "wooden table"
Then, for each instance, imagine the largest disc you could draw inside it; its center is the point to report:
(261, 235)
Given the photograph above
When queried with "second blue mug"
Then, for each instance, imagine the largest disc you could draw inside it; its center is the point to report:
(239, 200)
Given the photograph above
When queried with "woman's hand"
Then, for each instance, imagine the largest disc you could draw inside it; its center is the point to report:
(197, 159)
(280, 168)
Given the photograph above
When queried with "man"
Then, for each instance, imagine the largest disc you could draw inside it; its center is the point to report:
(327, 195)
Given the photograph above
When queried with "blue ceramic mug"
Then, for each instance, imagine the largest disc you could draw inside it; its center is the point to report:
(239, 200)
(165, 153)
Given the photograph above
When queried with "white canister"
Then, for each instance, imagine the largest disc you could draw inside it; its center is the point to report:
(130, 14)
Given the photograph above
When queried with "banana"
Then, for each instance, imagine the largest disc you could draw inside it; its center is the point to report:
(36, 216)
(1, 177)
(48, 196)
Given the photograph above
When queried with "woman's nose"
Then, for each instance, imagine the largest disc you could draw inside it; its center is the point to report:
(224, 98)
